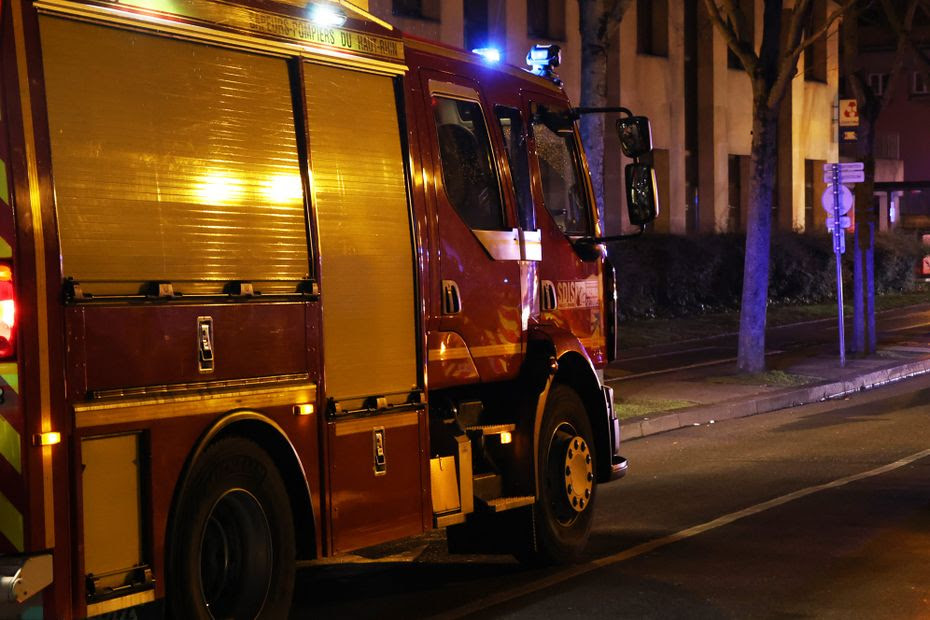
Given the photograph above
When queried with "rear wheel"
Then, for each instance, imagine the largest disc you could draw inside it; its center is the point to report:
(563, 514)
(232, 555)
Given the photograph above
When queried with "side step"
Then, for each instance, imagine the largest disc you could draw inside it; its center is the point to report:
(500, 504)
(491, 429)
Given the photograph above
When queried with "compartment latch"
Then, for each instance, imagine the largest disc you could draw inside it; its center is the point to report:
(380, 458)
(205, 359)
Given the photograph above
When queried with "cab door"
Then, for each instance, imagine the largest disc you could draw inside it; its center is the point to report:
(479, 241)
(571, 281)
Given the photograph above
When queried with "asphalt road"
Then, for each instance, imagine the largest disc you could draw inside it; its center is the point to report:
(820, 511)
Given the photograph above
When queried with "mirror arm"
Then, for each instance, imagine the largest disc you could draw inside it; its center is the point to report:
(577, 112)
(613, 238)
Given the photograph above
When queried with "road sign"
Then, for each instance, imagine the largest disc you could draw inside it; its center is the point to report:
(849, 113)
(845, 222)
(845, 196)
(847, 172)
(849, 135)
(856, 176)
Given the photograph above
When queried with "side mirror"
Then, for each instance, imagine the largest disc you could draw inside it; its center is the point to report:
(635, 134)
(641, 197)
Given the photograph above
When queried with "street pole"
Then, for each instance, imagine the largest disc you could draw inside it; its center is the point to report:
(838, 252)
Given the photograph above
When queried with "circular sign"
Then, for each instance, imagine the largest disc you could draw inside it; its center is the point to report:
(845, 196)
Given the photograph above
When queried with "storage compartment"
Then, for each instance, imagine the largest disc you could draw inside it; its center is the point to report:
(114, 554)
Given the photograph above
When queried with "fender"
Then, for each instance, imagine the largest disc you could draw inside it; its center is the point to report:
(569, 363)
(256, 421)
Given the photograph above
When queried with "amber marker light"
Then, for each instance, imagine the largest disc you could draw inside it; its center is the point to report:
(306, 409)
(506, 437)
(46, 439)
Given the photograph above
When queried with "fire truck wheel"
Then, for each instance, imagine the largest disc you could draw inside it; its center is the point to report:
(233, 550)
(567, 481)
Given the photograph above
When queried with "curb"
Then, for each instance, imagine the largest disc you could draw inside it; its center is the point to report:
(635, 428)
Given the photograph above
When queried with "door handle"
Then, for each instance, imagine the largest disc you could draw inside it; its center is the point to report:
(451, 297)
(548, 300)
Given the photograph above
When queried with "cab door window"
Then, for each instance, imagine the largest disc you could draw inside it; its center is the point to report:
(468, 172)
(511, 124)
(562, 184)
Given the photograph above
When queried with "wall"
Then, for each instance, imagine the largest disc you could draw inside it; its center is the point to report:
(654, 86)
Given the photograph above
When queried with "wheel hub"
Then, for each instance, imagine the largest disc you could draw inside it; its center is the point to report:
(579, 473)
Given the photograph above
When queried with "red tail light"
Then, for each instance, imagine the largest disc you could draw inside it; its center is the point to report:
(7, 313)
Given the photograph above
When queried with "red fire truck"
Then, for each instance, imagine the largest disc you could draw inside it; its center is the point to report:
(277, 283)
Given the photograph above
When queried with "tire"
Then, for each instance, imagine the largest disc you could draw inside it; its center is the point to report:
(232, 555)
(564, 511)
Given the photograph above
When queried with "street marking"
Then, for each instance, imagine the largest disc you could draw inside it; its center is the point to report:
(652, 545)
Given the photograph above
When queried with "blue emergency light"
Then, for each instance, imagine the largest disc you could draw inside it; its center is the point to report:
(543, 59)
(490, 54)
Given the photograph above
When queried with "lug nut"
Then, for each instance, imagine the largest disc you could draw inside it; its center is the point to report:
(587, 460)
(568, 471)
(590, 476)
(587, 493)
(575, 502)
(582, 504)
(576, 444)
(569, 489)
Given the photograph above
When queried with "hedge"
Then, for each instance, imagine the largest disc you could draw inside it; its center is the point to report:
(671, 275)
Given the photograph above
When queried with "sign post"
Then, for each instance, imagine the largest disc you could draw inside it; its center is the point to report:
(837, 201)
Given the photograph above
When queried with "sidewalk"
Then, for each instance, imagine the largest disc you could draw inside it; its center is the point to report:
(667, 400)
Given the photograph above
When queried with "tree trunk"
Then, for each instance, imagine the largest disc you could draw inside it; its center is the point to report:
(593, 91)
(751, 354)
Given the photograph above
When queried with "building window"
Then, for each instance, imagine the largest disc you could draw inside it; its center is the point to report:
(545, 19)
(652, 27)
(476, 24)
(920, 83)
(815, 56)
(878, 82)
(746, 31)
(420, 9)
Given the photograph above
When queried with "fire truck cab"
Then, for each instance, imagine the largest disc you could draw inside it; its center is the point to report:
(278, 282)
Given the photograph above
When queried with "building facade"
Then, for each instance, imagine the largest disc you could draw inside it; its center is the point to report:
(668, 62)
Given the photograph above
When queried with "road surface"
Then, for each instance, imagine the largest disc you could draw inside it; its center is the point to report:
(818, 511)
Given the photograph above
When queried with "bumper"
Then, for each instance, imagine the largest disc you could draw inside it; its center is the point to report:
(618, 464)
(618, 467)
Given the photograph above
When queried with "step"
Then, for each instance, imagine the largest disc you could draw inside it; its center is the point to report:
(491, 429)
(501, 504)
(487, 485)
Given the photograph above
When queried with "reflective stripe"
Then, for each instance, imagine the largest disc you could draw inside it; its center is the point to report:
(11, 523)
(4, 186)
(10, 445)
(10, 373)
(5, 250)
(459, 353)
(496, 350)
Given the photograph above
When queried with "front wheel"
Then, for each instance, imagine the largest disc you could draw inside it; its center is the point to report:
(232, 555)
(563, 513)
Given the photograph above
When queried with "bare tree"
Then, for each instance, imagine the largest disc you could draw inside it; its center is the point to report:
(770, 70)
(598, 22)
(897, 17)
